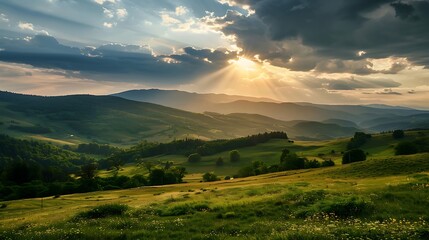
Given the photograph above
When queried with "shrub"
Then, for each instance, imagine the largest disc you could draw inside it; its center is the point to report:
(234, 156)
(397, 134)
(194, 157)
(354, 155)
(291, 161)
(104, 211)
(3, 205)
(311, 164)
(210, 177)
(358, 140)
(406, 148)
(219, 161)
(328, 163)
(348, 207)
(229, 215)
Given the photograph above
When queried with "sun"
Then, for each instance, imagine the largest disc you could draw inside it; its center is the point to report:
(244, 64)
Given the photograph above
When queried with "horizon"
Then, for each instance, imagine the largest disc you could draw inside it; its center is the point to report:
(234, 95)
(290, 51)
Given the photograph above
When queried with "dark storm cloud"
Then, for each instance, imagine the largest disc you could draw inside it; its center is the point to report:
(332, 30)
(113, 61)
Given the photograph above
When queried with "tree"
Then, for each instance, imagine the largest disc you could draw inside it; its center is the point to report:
(219, 161)
(406, 148)
(398, 134)
(194, 157)
(156, 176)
(234, 156)
(88, 171)
(291, 161)
(210, 177)
(359, 139)
(354, 155)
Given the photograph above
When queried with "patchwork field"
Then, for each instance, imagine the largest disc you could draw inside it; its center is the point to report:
(384, 197)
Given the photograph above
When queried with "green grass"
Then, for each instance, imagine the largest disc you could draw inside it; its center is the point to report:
(299, 205)
(384, 197)
(379, 147)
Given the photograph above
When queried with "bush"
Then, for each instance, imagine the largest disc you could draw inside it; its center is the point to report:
(291, 161)
(358, 140)
(311, 164)
(104, 211)
(354, 155)
(234, 156)
(397, 134)
(210, 177)
(328, 163)
(3, 205)
(219, 161)
(229, 215)
(348, 207)
(406, 148)
(194, 157)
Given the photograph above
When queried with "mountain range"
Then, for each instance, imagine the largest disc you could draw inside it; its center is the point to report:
(133, 116)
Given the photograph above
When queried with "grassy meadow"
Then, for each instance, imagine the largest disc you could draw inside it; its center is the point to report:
(384, 197)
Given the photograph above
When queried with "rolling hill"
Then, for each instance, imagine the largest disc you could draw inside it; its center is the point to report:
(285, 111)
(109, 119)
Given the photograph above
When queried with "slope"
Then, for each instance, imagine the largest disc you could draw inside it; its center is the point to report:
(108, 119)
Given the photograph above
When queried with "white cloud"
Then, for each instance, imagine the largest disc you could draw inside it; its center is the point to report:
(3, 18)
(26, 26)
(168, 20)
(148, 23)
(121, 13)
(181, 10)
(108, 25)
(108, 13)
(101, 2)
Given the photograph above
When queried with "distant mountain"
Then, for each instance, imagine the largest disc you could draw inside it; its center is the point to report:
(342, 122)
(226, 104)
(109, 119)
(194, 102)
(418, 121)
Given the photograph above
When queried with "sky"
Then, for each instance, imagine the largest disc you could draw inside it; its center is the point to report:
(330, 52)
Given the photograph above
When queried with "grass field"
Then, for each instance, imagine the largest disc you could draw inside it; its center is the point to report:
(381, 147)
(384, 197)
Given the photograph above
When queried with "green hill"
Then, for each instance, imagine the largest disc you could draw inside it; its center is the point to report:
(384, 197)
(379, 147)
(114, 120)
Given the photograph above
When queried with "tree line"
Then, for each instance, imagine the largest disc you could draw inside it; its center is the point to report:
(186, 147)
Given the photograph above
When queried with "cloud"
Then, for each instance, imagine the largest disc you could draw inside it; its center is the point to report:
(108, 25)
(101, 2)
(181, 10)
(115, 62)
(351, 83)
(388, 91)
(331, 31)
(121, 13)
(168, 20)
(3, 18)
(26, 26)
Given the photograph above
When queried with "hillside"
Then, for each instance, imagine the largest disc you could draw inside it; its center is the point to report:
(384, 197)
(285, 111)
(379, 147)
(194, 102)
(108, 119)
